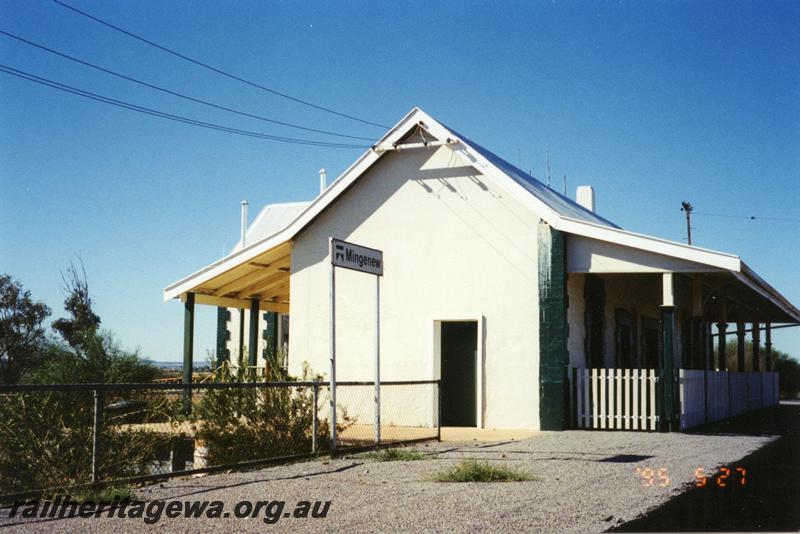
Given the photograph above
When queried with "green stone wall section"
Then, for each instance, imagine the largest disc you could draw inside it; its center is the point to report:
(553, 329)
(223, 335)
(270, 335)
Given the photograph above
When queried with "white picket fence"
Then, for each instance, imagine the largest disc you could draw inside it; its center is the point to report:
(709, 396)
(614, 399)
(625, 399)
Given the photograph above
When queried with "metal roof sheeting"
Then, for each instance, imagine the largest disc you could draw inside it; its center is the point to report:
(561, 204)
(270, 220)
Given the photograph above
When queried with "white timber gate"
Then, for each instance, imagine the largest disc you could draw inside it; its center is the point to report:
(614, 399)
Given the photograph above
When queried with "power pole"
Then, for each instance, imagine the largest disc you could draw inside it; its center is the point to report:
(687, 207)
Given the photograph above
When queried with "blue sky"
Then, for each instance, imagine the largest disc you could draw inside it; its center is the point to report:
(650, 102)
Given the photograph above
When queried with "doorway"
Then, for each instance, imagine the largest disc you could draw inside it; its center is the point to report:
(459, 355)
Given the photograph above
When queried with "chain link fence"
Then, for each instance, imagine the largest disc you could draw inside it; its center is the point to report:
(54, 437)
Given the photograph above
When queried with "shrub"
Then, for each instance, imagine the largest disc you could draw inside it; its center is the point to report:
(237, 425)
(46, 440)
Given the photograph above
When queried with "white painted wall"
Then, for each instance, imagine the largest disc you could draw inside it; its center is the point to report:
(454, 246)
(576, 319)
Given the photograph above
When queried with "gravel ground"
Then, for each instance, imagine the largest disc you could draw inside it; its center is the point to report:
(584, 482)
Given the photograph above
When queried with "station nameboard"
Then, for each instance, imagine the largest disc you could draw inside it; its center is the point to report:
(356, 257)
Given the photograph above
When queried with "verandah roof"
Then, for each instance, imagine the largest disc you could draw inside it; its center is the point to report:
(264, 277)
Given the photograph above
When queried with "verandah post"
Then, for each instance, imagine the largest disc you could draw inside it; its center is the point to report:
(188, 350)
(252, 349)
(767, 347)
(740, 347)
(722, 328)
(756, 347)
(668, 322)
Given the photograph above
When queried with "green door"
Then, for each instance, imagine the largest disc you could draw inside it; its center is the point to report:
(459, 381)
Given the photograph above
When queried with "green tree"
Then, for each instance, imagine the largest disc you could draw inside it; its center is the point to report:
(22, 333)
(79, 330)
(86, 354)
(788, 368)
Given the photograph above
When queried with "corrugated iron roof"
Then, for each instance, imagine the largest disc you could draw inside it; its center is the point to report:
(272, 219)
(563, 205)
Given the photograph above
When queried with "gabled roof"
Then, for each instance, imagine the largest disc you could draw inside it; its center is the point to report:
(555, 209)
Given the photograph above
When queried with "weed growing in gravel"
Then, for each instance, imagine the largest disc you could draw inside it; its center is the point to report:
(395, 455)
(475, 471)
(104, 494)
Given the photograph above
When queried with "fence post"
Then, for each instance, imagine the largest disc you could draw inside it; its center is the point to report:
(315, 420)
(573, 397)
(97, 428)
(439, 410)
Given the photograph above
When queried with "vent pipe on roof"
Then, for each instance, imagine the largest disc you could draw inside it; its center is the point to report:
(585, 196)
(244, 222)
(323, 180)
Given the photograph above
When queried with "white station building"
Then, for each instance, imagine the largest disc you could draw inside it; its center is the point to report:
(493, 283)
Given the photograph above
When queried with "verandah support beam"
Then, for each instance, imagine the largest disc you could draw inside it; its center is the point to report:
(252, 348)
(244, 304)
(740, 348)
(263, 284)
(253, 275)
(188, 349)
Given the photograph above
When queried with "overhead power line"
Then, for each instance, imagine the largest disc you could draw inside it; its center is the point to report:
(215, 69)
(177, 118)
(174, 93)
(749, 217)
